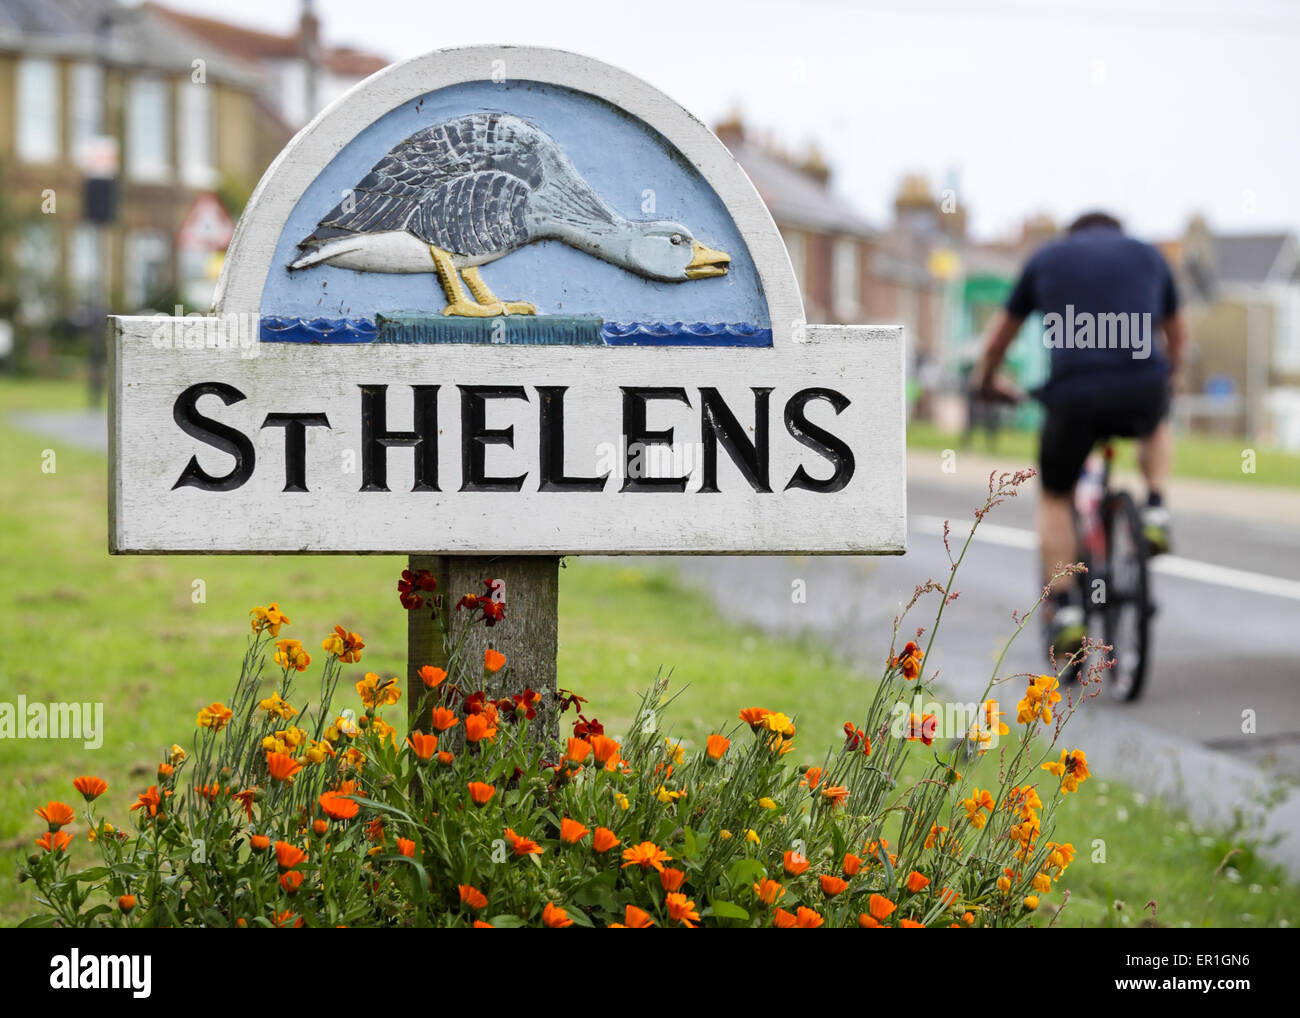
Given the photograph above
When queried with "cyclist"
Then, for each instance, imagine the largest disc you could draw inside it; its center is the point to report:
(1102, 295)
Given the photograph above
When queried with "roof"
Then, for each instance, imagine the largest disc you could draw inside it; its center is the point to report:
(793, 197)
(254, 44)
(109, 31)
(1253, 257)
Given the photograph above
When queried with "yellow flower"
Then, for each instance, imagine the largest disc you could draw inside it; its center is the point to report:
(175, 755)
(289, 654)
(1072, 769)
(1038, 700)
(751, 835)
(215, 716)
(347, 725)
(1041, 883)
(274, 704)
(268, 619)
(675, 752)
(767, 803)
(1031, 902)
(377, 692)
(778, 724)
(622, 800)
(668, 795)
(383, 731)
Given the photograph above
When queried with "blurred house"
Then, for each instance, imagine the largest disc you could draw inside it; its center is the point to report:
(183, 112)
(848, 269)
(1242, 293)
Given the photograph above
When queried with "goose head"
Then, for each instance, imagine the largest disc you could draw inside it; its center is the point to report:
(664, 250)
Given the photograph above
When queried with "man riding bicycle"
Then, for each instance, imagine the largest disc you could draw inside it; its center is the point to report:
(1102, 295)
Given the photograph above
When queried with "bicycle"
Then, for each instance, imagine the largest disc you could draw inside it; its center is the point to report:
(1116, 588)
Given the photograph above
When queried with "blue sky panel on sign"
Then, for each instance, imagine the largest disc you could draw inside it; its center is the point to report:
(531, 213)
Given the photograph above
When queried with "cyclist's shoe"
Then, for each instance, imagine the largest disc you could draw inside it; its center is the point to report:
(1066, 632)
(1155, 529)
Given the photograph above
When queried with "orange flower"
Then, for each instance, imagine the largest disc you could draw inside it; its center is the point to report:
(794, 863)
(337, 806)
(753, 716)
(90, 788)
(406, 847)
(494, 661)
(54, 841)
(910, 924)
(259, 842)
(783, 920)
(554, 917)
(126, 902)
(215, 716)
(479, 924)
(478, 727)
(807, 919)
(868, 922)
(444, 719)
(572, 832)
(522, 846)
(149, 799)
(165, 770)
(446, 758)
(645, 855)
(287, 920)
(811, 779)
(835, 794)
(578, 750)
(291, 881)
(917, 881)
(320, 827)
(56, 814)
(481, 792)
(880, 907)
(852, 864)
(343, 645)
(604, 839)
(768, 891)
(605, 750)
(832, 886)
(636, 919)
(423, 746)
(472, 896)
(288, 856)
(682, 909)
(716, 745)
(282, 766)
(672, 879)
(432, 677)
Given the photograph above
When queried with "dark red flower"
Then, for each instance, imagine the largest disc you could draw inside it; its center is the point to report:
(413, 586)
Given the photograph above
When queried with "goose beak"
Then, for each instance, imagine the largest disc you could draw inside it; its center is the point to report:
(706, 262)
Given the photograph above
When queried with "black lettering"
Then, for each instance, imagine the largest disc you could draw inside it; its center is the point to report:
(476, 436)
(295, 444)
(220, 436)
(719, 424)
(819, 440)
(551, 445)
(376, 439)
(637, 439)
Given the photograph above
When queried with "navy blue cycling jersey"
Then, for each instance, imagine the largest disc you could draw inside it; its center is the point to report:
(1103, 296)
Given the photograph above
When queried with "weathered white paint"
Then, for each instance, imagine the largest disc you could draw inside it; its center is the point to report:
(148, 451)
(249, 259)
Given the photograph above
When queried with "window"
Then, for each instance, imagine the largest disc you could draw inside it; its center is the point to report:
(844, 279)
(148, 130)
(37, 113)
(36, 257)
(194, 132)
(147, 266)
(87, 110)
(83, 263)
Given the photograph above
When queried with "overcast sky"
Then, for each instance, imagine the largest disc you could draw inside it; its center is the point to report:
(1153, 109)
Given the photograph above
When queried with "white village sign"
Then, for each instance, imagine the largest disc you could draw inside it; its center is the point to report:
(644, 383)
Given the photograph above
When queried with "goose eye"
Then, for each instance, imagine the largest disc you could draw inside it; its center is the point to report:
(676, 238)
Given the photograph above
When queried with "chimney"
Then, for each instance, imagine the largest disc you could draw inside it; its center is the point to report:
(309, 50)
(814, 166)
(731, 132)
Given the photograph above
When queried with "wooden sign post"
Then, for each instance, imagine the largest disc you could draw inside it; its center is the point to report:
(494, 306)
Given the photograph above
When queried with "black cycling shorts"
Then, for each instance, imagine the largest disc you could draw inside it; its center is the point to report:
(1072, 428)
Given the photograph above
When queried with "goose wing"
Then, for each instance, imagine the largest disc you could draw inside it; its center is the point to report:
(462, 184)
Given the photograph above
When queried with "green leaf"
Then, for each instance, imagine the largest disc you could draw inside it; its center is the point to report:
(728, 910)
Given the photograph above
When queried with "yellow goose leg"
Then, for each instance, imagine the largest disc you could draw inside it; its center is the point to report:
(458, 303)
(486, 297)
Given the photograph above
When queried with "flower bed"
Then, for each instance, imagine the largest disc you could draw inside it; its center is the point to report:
(296, 807)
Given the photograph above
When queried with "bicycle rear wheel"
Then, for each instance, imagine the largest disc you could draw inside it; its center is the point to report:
(1126, 616)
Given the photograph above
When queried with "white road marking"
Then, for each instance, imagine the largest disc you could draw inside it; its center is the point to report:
(1169, 565)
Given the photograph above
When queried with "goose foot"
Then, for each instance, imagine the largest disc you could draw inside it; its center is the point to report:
(487, 298)
(470, 309)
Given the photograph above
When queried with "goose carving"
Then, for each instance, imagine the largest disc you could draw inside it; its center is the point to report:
(467, 191)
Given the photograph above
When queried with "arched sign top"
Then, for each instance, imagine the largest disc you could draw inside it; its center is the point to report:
(468, 187)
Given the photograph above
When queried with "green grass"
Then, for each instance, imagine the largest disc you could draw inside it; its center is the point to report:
(127, 632)
(1196, 456)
